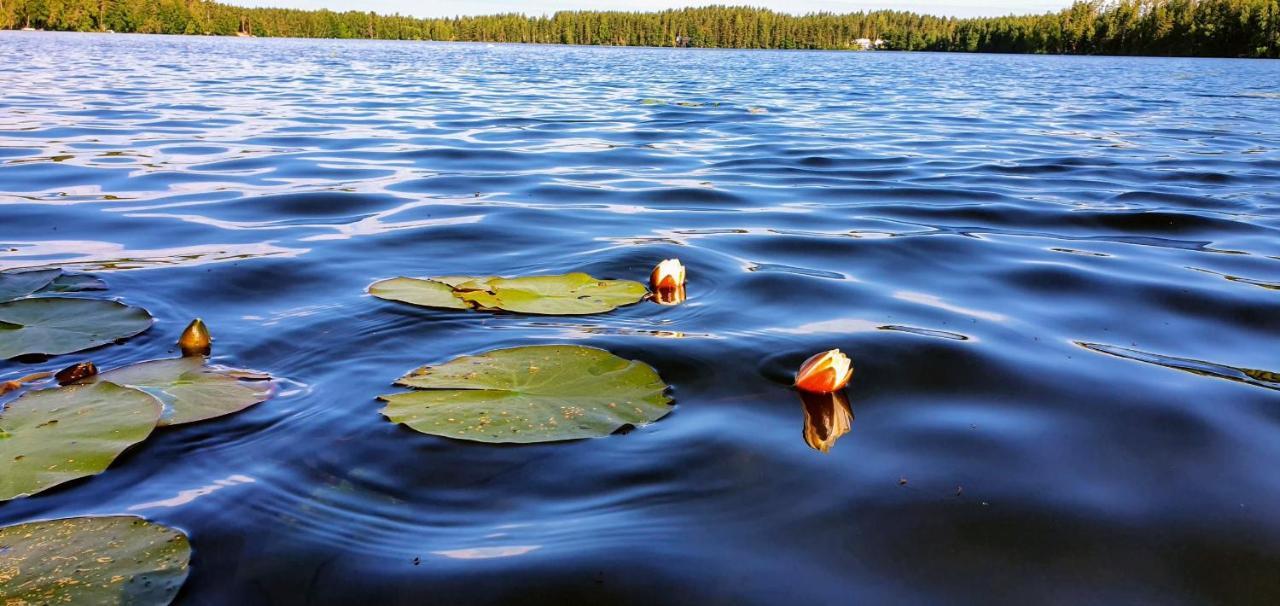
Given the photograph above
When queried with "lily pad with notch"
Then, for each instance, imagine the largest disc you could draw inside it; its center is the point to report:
(53, 436)
(541, 393)
(59, 325)
(104, 560)
(192, 390)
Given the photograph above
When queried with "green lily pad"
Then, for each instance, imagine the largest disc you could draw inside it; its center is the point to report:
(59, 325)
(54, 436)
(14, 285)
(191, 390)
(542, 393)
(560, 295)
(427, 293)
(92, 560)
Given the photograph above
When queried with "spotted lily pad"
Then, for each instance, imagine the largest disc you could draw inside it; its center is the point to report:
(542, 393)
(92, 560)
(53, 436)
(192, 390)
(59, 325)
(561, 295)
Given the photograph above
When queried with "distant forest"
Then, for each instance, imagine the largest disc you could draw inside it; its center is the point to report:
(1206, 28)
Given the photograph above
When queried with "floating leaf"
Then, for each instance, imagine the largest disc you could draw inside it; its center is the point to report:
(54, 436)
(14, 285)
(59, 325)
(191, 390)
(540, 393)
(567, 294)
(92, 560)
(427, 293)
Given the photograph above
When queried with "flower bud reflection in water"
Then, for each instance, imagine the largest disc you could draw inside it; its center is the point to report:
(669, 296)
(827, 417)
(195, 340)
(825, 372)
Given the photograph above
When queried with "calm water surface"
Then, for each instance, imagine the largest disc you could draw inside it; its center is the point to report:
(1059, 280)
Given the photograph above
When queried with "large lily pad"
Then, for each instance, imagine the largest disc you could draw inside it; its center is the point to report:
(542, 393)
(192, 390)
(53, 436)
(59, 325)
(567, 294)
(92, 560)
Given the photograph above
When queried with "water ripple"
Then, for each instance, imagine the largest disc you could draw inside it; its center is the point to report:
(971, 229)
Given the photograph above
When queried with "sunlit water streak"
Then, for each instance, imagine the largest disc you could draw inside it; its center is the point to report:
(1057, 278)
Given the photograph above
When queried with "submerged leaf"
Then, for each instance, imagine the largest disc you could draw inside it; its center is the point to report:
(103, 560)
(14, 285)
(58, 435)
(567, 294)
(69, 283)
(192, 391)
(59, 325)
(540, 393)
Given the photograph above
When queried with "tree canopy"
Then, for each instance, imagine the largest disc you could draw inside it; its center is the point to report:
(1210, 28)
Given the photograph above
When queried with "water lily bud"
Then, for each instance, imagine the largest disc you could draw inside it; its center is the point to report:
(195, 340)
(827, 417)
(668, 275)
(825, 372)
(76, 373)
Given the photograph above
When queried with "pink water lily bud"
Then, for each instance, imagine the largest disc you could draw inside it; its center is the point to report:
(195, 340)
(825, 372)
(668, 275)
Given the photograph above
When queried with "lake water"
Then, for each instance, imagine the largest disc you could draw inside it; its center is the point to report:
(1058, 279)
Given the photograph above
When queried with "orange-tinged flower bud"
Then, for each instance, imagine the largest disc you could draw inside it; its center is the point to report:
(195, 340)
(668, 275)
(825, 372)
(827, 417)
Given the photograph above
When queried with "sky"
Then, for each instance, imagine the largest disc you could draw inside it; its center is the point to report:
(449, 8)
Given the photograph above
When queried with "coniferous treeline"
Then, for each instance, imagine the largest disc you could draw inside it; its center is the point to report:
(1214, 28)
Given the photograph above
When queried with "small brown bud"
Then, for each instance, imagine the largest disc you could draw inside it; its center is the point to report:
(195, 340)
(76, 373)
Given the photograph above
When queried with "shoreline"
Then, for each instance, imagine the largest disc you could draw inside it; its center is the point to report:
(638, 47)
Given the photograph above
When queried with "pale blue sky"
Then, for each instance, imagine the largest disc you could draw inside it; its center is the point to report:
(448, 8)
